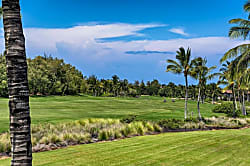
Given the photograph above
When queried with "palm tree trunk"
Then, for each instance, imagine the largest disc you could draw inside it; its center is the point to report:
(234, 101)
(186, 97)
(213, 98)
(248, 97)
(198, 103)
(243, 103)
(239, 98)
(17, 84)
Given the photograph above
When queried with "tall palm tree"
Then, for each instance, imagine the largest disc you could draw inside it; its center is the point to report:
(182, 66)
(202, 73)
(17, 84)
(241, 52)
(228, 77)
(242, 78)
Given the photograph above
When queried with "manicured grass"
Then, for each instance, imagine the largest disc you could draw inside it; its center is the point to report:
(66, 108)
(221, 148)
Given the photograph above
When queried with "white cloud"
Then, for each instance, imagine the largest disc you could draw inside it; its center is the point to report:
(85, 35)
(179, 31)
(79, 46)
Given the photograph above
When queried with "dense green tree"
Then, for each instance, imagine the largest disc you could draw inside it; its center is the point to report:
(94, 85)
(116, 85)
(143, 90)
(51, 76)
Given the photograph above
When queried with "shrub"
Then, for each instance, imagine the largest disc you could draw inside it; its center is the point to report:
(171, 123)
(195, 120)
(223, 108)
(194, 125)
(226, 108)
(237, 113)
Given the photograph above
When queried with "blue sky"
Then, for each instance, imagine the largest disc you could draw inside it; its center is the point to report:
(130, 38)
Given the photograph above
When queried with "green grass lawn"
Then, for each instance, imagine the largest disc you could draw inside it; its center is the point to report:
(221, 148)
(65, 108)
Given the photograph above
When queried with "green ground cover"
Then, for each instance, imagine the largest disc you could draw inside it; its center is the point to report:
(55, 109)
(222, 148)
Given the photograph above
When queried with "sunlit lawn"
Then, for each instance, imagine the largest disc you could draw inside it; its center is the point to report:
(221, 148)
(65, 108)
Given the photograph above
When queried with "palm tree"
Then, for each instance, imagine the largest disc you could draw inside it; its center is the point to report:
(242, 75)
(202, 73)
(241, 52)
(183, 66)
(17, 84)
(228, 77)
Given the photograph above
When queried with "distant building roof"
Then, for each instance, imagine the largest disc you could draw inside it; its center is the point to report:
(230, 92)
(227, 91)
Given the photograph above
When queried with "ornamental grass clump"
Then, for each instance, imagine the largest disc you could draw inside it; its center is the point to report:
(103, 136)
(50, 136)
(226, 122)
(5, 145)
(140, 128)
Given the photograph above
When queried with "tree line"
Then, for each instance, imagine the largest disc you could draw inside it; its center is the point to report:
(52, 76)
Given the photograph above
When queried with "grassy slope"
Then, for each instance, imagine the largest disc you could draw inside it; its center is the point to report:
(64, 108)
(224, 147)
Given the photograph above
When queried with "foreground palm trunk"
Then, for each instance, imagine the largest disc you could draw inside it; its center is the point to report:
(17, 84)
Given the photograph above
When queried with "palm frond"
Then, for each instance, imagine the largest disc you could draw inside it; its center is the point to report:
(211, 68)
(235, 51)
(212, 76)
(174, 69)
(240, 21)
(1, 12)
(247, 6)
(244, 60)
(239, 31)
(174, 63)
(220, 82)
